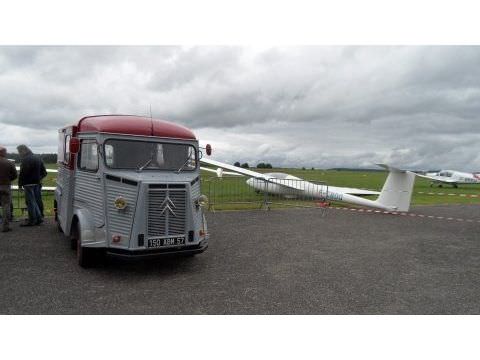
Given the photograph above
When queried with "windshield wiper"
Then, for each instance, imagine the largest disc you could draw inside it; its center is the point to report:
(185, 163)
(146, 164)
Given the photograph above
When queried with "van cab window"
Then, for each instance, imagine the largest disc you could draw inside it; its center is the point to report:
(147, 155)
(88, 155)
(66, 148)
(61, 147)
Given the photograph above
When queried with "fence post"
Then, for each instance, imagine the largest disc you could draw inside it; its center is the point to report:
(211, 196)
(265, 197)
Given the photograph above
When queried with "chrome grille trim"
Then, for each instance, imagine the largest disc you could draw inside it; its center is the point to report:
(162, 220)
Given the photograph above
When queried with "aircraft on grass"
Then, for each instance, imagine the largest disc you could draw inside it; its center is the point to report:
(395, 195)
(451, 177)
(220, 172)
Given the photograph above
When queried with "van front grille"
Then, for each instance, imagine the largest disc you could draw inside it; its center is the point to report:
(166, 212)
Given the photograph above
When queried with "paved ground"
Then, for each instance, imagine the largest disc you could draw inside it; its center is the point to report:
(277, 262)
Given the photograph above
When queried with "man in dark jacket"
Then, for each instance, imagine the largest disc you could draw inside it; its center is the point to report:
(32, 171)
(8, 173)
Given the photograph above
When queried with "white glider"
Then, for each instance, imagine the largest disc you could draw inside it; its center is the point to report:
(220, 171)
(396, 193)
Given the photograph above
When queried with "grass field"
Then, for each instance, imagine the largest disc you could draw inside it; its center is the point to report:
(361, 179)
(226, 191)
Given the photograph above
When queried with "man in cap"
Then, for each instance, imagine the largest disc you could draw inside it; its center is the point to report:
(32, 171)
(8, 173)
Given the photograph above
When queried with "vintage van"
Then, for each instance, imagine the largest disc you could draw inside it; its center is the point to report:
(129, 186)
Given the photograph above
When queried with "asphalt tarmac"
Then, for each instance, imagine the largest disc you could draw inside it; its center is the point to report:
(263, 262)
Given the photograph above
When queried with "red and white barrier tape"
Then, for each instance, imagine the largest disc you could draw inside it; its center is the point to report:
(448, 194)
(439, 193)
(371, 211)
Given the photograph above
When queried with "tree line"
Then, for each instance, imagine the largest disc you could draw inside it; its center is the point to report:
(259, 165)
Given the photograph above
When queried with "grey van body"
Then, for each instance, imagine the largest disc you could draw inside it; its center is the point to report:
(128, 212)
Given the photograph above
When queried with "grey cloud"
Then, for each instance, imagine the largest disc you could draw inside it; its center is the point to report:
(292, 106)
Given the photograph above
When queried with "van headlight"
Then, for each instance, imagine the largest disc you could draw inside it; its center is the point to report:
(120, 203)
(202, 201)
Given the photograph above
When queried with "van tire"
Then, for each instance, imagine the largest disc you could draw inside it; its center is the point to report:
(55, 209)
(73, 240)
(85, 256)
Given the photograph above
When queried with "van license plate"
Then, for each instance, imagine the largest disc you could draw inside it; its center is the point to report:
(172, 241)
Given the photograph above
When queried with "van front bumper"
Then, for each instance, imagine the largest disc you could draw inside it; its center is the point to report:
(151, 253)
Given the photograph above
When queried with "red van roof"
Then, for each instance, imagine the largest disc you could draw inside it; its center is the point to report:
(134, 125)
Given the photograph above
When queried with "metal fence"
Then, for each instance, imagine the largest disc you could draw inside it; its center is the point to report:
(20, 208)
(229, 193)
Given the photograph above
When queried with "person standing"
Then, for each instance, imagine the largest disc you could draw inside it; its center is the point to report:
(8, 173)
(32, 171)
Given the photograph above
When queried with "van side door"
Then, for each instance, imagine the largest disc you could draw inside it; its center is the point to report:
(89, 193)
(65, 179)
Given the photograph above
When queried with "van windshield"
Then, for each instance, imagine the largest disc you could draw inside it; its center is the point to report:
(143, 155)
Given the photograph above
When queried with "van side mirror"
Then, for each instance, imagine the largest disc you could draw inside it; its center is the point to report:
(74, 145)
(209, 149)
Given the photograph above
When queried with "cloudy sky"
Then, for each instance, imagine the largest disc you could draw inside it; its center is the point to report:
(415, 107)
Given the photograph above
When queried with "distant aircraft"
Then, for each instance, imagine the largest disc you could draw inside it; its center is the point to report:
(451, 177)
(395, 195)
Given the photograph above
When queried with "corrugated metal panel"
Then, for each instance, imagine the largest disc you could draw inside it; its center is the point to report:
(89, 192)
(157, 225)
(65, 194)
(197, 215)
(62, 175)
(176, 224)
(120, 221)
(195, 190)
(166, 212)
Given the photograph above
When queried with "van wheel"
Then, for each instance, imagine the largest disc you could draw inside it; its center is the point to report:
(73, 238)
(84, 255)
(59, 228)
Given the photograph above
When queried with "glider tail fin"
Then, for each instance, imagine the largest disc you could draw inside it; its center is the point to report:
(397, 190)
